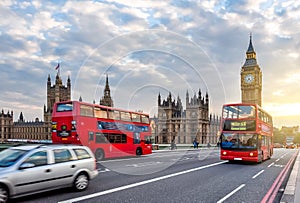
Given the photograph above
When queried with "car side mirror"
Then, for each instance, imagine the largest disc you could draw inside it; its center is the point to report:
(26, 165)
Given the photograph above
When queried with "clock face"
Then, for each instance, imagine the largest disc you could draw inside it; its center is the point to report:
(249, 78)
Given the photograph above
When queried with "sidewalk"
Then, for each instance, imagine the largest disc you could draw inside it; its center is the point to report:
(292, 191)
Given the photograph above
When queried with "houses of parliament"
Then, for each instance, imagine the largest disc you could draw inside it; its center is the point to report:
(172, 124)
(38, 130)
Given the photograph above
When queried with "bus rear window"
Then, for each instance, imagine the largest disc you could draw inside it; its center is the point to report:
(64, 107)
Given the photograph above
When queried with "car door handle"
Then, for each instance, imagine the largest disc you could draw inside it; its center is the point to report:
(73, 166)
(48, 170)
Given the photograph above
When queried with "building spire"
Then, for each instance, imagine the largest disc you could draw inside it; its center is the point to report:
(106, 99)
(250, 54)
(107, 89)
(250, 47)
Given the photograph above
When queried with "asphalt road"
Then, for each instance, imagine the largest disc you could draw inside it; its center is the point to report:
(179, 176)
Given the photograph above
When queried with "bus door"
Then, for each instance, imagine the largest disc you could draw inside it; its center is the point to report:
(146, 143)
(260, 147)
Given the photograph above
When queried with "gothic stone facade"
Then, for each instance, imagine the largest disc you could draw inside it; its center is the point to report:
(183, 126)
(6, 122)
(41, 130)
(37, 129)
(55, 93)
(106, 99)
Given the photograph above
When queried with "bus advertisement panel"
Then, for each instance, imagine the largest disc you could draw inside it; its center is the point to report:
(246, 133)
(108, 132)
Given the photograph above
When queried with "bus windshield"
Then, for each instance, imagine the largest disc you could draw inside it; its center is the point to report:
(241, 111)
(238, 141)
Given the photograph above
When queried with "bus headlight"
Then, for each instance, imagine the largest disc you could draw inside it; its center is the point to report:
(251, 154)
(73, 125)
(224, 153)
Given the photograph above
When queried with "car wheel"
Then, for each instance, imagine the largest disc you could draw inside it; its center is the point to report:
(139, 152)
(3, 194)
(99, 154)
(81, 182)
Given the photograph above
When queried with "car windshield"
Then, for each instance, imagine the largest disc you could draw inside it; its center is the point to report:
(238, 141)
(10, 156)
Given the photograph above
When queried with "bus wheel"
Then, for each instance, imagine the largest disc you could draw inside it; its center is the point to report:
(139, 151)
(99, 154)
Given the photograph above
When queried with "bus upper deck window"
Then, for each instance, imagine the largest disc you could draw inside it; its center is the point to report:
(136, 117)
(100, 113)
(145, 119)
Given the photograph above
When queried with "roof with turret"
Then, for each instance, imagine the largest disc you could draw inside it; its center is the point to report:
(251, 55)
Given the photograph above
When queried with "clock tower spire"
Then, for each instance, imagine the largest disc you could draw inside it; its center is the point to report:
(251, 78)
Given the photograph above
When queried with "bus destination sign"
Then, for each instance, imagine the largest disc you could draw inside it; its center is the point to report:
(238, 125)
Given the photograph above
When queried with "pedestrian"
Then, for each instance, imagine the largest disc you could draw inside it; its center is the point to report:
(195, 143)
(173, 145)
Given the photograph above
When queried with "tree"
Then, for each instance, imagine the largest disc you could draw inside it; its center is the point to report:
(279, 137)
(297, 138)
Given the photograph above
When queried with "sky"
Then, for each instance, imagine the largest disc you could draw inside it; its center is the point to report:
(148, 48)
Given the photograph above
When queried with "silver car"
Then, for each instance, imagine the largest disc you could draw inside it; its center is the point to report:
(30, 169)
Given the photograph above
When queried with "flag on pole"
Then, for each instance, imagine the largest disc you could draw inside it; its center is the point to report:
(57, 67)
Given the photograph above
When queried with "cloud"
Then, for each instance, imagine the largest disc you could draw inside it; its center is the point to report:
(147, 47)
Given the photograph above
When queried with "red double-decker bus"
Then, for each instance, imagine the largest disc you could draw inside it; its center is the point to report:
(108, 132)
(246, 133)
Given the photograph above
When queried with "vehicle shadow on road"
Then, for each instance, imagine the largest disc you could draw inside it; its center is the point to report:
(242, 162)
(40, 197)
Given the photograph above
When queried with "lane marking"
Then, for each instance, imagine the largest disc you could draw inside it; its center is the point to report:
(143, 164)
(271, 165)
(139, 183)
(230, 194)
(260, 172)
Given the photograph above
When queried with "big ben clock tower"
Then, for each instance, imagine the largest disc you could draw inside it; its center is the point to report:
(251, 78)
